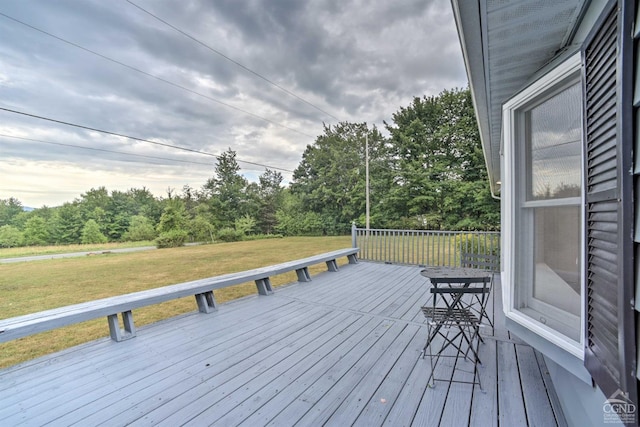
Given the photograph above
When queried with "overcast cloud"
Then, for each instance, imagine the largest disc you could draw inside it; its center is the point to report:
(357, 60)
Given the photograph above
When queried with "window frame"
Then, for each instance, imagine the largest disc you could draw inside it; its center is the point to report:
(514, 185)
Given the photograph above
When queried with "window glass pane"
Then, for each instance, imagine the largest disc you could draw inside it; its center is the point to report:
(555, 146)
(557, 257)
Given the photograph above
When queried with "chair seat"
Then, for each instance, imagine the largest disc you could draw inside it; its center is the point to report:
(451, 317)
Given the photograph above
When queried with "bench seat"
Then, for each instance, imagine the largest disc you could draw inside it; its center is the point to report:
(202, 289)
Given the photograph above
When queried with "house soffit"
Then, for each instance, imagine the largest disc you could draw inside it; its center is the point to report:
(504, 44)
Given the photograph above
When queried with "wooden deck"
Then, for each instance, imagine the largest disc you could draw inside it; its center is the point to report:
(340, 350)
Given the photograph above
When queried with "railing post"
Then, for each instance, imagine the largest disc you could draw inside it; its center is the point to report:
(354, 239)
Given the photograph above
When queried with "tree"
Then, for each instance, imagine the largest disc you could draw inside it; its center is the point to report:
(201, 230)
(270, 199)
(140, 228)
(245, 224)
(36, 231)
(330, 180)
(174, 216)
(118, 214)
(436, 159)
(9, 209)
(91, 233)
(96, 198)
(10, 236)
(227, 190)
(173, 225)
(67, 224)
(144, 203)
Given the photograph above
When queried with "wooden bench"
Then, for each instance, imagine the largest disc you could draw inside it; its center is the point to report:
(21, 326)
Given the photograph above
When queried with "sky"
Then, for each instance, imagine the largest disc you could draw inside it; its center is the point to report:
(259, 77)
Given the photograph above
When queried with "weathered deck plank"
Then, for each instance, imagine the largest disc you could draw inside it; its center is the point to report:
(484, 408)
(538, 406)
(342, 349)
(510, 399)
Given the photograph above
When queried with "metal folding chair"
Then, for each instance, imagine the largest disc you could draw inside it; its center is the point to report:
(488, 262)
(453, 317)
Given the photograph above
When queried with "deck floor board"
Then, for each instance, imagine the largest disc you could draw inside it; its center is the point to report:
(342, 349)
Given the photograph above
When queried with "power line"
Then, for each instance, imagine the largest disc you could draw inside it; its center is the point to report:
(169, 82)
(231, 60)
(103, 150)
(177, 147)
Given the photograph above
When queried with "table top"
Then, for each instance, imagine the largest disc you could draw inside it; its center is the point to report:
(454, 273)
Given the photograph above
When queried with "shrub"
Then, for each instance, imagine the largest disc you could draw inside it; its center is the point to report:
(229, 235)
(171, 239)
(245, 225)
(478, 243)
(91, 233)
(140, 228)
(201, 230)
(10, 236)
(263, 236)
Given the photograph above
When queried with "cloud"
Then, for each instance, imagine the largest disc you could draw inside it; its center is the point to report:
(358, 61)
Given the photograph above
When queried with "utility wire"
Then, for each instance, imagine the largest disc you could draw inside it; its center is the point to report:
(260, 76)
(103, 150)
(177, 147)
(169, 82)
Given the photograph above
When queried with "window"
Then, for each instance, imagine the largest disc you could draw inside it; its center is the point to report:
(543, 201)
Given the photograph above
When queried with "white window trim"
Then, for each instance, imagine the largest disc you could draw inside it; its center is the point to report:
(528, 95)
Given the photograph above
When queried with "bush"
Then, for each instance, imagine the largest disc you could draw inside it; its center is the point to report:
(10, 236)
(229, 235)
(140, 228)
(171, 239)
(488, 244)
(245, 225)
(91, 233)
(263, 236)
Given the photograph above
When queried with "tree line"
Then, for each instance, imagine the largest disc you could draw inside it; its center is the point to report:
(428, 172)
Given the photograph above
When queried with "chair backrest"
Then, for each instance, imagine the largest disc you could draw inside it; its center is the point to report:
(475, 291)
(488, 262)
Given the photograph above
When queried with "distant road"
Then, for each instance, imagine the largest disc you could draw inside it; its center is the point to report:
(74, 254)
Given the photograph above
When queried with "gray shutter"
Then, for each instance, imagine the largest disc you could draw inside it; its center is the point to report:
(610, 330)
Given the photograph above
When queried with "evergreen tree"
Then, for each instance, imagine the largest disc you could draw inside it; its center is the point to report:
(9, 209)
(91, 233)
(227, 191)
(36, 231)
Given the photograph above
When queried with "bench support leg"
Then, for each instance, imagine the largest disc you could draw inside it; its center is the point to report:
(264, 286)
(353, 258)
(332, 265)
(118, 334)
(206, 302)
(303, 275)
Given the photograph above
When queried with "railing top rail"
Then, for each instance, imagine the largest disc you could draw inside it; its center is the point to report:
(429, 231)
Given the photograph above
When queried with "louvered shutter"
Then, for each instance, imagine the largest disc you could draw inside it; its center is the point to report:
(610, 331)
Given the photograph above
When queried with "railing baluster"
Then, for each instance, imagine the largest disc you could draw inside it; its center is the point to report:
(424, 247)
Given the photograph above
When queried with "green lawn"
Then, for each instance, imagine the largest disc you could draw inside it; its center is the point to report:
(39, 285)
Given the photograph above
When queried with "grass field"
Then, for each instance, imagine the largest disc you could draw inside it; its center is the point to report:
(39, 285)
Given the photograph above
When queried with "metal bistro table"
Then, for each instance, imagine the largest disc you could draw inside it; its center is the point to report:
(459, 297)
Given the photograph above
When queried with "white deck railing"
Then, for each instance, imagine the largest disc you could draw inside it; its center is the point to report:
(422, 247)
